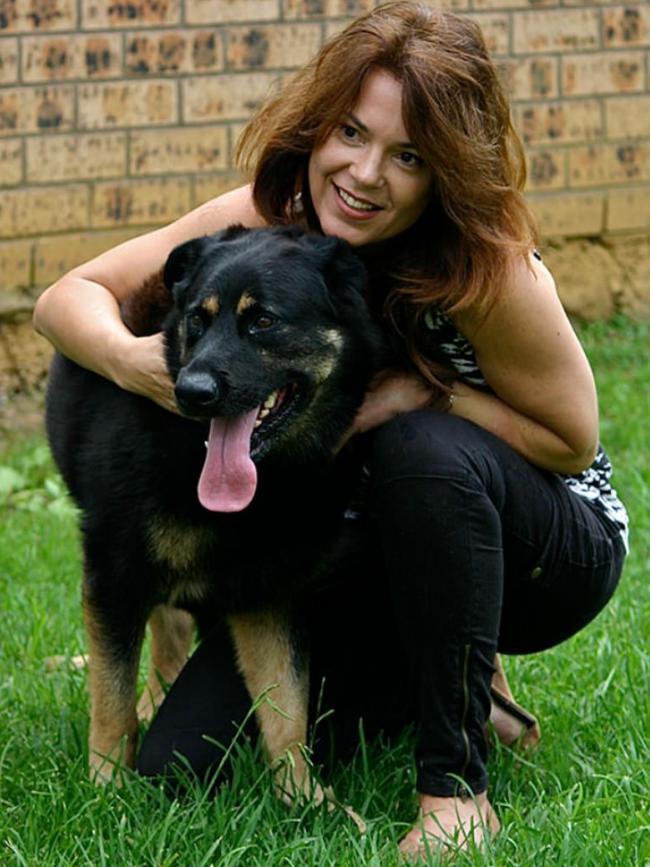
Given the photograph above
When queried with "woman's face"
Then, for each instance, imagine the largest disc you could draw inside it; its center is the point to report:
(367, 180)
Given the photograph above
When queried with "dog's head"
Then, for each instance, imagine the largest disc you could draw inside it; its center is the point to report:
(269, 340)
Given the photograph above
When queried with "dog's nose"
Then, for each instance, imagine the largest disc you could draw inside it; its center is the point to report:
(196, 389)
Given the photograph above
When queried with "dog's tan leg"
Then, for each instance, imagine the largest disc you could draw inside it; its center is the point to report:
(113, 721)
(171, 640)
(268, 664)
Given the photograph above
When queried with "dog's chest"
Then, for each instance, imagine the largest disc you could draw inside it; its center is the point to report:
(214, 566)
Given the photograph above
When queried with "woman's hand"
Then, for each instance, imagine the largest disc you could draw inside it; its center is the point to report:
(392, 393)
(143, 371)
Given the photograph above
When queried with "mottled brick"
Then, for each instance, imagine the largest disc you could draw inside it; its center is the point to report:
(173, 51)
(16, 264)
(600, 164)
(585, 2)
(627, 116)
(9, 16)
(629, 210)
(568, 214)
(628, 25)
(8, 60)
(269, 47)
(11, 162)
(546, 170)
(454, 5)
(514, 4)
(42, 210)
(530, 78)
(73, 157)
(602, 72)
(225, 97)
(325, 8)
(98, 14)
(55, 256)
(128, 103)
(194, 149)
(566, 121)
(208, 187)
(204, 12)
(54, 58)
(556, 30)
(140, 202)
(36, 109)
(25, 16)
(235, 130)
(496, 31)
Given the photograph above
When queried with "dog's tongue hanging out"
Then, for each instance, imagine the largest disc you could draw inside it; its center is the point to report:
(229, 476)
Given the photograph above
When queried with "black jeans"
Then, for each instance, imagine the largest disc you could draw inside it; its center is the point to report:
(466, 549)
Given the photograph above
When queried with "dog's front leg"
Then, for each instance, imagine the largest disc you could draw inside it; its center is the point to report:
(171, 639)
(275, 670)
(113, 667)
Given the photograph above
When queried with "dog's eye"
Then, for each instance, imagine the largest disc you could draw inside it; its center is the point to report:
(262, 323)
(195, 325)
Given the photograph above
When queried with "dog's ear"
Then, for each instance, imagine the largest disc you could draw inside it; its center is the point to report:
(180, 264)
(343, 270)
(183, 259)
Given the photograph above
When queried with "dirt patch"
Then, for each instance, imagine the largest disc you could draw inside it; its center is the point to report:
(24, 359)
(21, 415)
(596, 279)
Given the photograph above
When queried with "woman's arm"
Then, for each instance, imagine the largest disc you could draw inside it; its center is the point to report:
(544, 403)
(80, 315)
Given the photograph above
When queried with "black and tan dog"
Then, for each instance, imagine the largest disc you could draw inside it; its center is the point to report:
(271, 348)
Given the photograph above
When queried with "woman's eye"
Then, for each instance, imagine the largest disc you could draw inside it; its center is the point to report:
(409, 159)
(349, 133)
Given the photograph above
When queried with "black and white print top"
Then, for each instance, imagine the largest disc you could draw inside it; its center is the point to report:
(593, 483)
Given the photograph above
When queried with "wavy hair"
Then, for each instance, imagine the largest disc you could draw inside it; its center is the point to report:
(456, 113)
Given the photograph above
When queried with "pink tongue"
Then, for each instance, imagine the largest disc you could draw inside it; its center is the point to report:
(229, 476)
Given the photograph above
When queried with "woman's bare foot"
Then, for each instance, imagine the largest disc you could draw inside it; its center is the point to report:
(449, 825)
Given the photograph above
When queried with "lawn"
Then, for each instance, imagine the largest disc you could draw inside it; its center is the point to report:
(583, 798)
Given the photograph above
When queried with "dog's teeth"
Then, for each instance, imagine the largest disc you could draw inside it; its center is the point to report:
(269, 403)
(263, 413)
(205, 443)
(258, 422)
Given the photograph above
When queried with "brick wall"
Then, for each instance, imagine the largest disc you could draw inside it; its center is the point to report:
(119, 115)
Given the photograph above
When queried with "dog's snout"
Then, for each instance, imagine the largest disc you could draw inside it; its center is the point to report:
(196, 389)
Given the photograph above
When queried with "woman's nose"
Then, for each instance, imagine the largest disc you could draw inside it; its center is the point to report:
(367, 169)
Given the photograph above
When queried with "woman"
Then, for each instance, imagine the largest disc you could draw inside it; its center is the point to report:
(488, 493)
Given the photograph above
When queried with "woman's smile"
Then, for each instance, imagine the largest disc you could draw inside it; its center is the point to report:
(354, 206)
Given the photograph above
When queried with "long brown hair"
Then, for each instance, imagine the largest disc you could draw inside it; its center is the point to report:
(457, 115)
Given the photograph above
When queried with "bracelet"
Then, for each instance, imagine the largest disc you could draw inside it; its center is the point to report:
(443, 401)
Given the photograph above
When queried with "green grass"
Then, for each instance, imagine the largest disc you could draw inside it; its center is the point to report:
(583, 798)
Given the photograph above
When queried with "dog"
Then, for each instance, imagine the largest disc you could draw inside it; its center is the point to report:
(226, 510)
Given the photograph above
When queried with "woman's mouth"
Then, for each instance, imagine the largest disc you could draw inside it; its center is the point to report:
(353, 206)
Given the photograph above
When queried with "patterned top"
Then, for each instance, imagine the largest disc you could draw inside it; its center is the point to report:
(593, 483)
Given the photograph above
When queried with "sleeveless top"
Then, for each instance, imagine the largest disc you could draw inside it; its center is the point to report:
(593, 484)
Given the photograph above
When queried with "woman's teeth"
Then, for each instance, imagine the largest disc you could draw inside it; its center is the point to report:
(357, 204)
